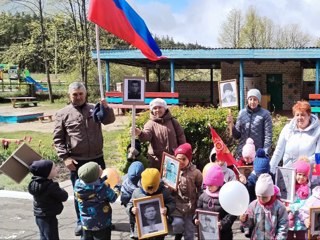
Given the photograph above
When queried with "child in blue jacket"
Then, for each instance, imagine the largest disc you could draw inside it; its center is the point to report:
(130, 183)
(94, 196)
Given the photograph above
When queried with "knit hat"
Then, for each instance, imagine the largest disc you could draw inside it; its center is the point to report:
(227, 86)
(254, 93)
(249, 150)
(264, 186)
(41, 168)
(89, 172)
(150, 179)
(158, 102)
(134, 171)
(302, 167)
(261, 162)
(214, 176)
(184, 149)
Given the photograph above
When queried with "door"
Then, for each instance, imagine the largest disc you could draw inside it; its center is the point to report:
(274, 89)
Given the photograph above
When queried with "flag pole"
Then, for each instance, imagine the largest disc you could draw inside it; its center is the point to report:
(99, 62)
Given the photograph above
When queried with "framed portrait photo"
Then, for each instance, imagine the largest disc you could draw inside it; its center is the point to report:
(228, 93)
(286, 181)
(245, 170)
(133, 91)
(208, 226)
(314, 218)
(150, 221)
(170, 170)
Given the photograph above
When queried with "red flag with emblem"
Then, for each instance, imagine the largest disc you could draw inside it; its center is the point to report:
(222, 150)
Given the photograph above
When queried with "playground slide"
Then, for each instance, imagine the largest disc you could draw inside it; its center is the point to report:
(38, 86)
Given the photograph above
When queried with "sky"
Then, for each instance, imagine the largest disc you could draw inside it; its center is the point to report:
(200, 21)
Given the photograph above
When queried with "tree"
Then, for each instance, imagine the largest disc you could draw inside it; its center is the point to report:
(230, 34)
(37, 7)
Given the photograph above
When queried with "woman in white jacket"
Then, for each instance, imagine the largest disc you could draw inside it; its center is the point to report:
(300, 137)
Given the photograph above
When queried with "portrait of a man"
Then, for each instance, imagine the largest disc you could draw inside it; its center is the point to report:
(151, 218)
(317, 221)
(134, 89)
(228, 93)
(208, 228)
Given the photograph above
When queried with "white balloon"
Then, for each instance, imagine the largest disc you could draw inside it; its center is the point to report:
(234, 198)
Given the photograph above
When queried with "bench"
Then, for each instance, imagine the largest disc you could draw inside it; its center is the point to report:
(115, 99)
(45, 117)
(23, 101)
(314, 101)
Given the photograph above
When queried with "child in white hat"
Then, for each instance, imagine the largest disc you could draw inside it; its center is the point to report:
(266, 215)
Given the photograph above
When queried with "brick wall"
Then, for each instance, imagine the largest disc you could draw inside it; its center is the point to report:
(291, 77)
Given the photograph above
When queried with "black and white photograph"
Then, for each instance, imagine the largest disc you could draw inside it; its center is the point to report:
(314, 231)
(134, 89)
(286, 181)
(170, 170)
(208, 226)
(150, 221)
(228, 93)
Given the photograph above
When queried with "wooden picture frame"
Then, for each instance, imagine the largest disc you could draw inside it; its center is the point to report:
(228, 93)
(208, 227)
(314, 218)
(245, 170)
(150, 222)
(170, 171)
(286, 181)
(133, 90)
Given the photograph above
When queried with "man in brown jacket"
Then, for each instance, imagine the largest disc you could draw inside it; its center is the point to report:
(78, 137)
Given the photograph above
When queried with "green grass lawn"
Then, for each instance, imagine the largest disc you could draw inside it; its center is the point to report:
(42, 143)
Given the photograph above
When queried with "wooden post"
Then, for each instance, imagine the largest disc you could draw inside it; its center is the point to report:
(230, 125)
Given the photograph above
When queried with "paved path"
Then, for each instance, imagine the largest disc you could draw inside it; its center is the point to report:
(17, 220)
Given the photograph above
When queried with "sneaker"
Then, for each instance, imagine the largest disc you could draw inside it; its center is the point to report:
(78, 230)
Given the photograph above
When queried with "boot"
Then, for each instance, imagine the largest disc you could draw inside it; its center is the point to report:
(178, 236)
(132, 233)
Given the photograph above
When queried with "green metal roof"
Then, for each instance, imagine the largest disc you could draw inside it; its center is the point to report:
(209, 58)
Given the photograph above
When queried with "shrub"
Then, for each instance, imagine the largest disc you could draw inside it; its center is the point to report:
(195, 121)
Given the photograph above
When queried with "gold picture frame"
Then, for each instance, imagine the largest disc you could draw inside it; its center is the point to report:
(170, 171)
(314, 218)
(150, 222)
(208, 227)
(245, 170)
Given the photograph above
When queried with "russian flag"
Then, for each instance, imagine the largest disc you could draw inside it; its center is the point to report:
(117, 17)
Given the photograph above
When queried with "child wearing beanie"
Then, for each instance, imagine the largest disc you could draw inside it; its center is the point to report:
(188, 191)
(94, 196)
(162, 131)
(297, 229)
(248, 153)
(209, 201)
(131, 181)
(47, 197)
(260, 165)
(150, 186)
(267, 215)
(228, 173)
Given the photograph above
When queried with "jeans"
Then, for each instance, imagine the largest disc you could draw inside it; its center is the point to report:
(184, 225)
(103, 234)
(74, 176)
(48, 227)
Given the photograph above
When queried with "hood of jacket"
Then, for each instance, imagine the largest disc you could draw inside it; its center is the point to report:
(314, 124)
(134, 172)
(38, 185)
(167, 116)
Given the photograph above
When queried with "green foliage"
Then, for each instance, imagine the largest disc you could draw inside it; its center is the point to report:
(278, 122)
(195, 121)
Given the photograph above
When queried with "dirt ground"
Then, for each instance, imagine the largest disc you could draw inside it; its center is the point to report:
(7, 110)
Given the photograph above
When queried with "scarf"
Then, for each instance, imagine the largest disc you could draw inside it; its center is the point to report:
(302, 191)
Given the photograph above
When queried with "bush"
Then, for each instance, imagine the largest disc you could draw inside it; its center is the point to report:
(195, 121)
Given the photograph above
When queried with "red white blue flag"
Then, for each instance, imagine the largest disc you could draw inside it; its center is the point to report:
(117, 17)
